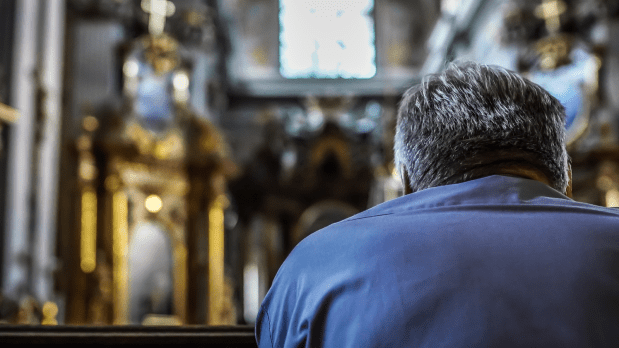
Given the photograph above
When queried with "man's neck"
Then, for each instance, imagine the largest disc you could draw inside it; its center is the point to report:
(526, 173)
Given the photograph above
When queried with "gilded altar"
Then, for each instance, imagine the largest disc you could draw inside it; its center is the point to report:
(151, 193)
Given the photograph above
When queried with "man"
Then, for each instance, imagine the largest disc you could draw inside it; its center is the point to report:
(486, 250)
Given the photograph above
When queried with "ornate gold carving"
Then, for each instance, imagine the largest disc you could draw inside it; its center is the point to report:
(49, 311)
(87, 173)
(141, 137)
(88, 247)
(210, 140)
(120, 238)
(29, 312)
(147, 181)
(161, 52)
(143, 176)
(171, 146)
(554, 51)
(87, 169)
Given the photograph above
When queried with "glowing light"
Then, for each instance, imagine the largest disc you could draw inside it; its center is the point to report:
(450, 6)
(340, 44)
(181, 80)
(550, 10)
(181, 87)
(373, 110)
(153, 203)
(90, 123)
(87, 170)
(131, 68)
(612, 198)
(315, 119)
(395, 175)
(365, 125)
(158, 10)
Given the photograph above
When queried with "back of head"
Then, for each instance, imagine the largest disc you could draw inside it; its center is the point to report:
(474, 120)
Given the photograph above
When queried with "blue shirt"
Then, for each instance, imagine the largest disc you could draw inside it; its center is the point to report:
(494, 262)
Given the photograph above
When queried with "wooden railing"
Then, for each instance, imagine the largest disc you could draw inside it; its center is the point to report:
(203, 336)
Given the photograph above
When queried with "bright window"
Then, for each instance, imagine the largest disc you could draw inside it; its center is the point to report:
(327, 39)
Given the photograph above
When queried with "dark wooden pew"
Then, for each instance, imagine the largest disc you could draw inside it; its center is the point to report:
(204, 336)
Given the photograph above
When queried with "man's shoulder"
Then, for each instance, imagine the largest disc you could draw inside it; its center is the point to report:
(429, 213)
(430, 243)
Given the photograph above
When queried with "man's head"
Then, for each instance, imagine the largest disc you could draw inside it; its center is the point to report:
(474, 120)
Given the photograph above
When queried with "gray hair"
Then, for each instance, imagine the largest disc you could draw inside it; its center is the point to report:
(472, 120)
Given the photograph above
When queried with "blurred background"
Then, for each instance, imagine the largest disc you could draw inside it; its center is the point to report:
(159, 159)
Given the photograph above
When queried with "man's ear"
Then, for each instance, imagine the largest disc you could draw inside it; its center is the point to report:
(405, 181)
(568, 190)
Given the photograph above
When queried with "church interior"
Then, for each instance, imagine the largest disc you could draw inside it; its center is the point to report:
(159, 159)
